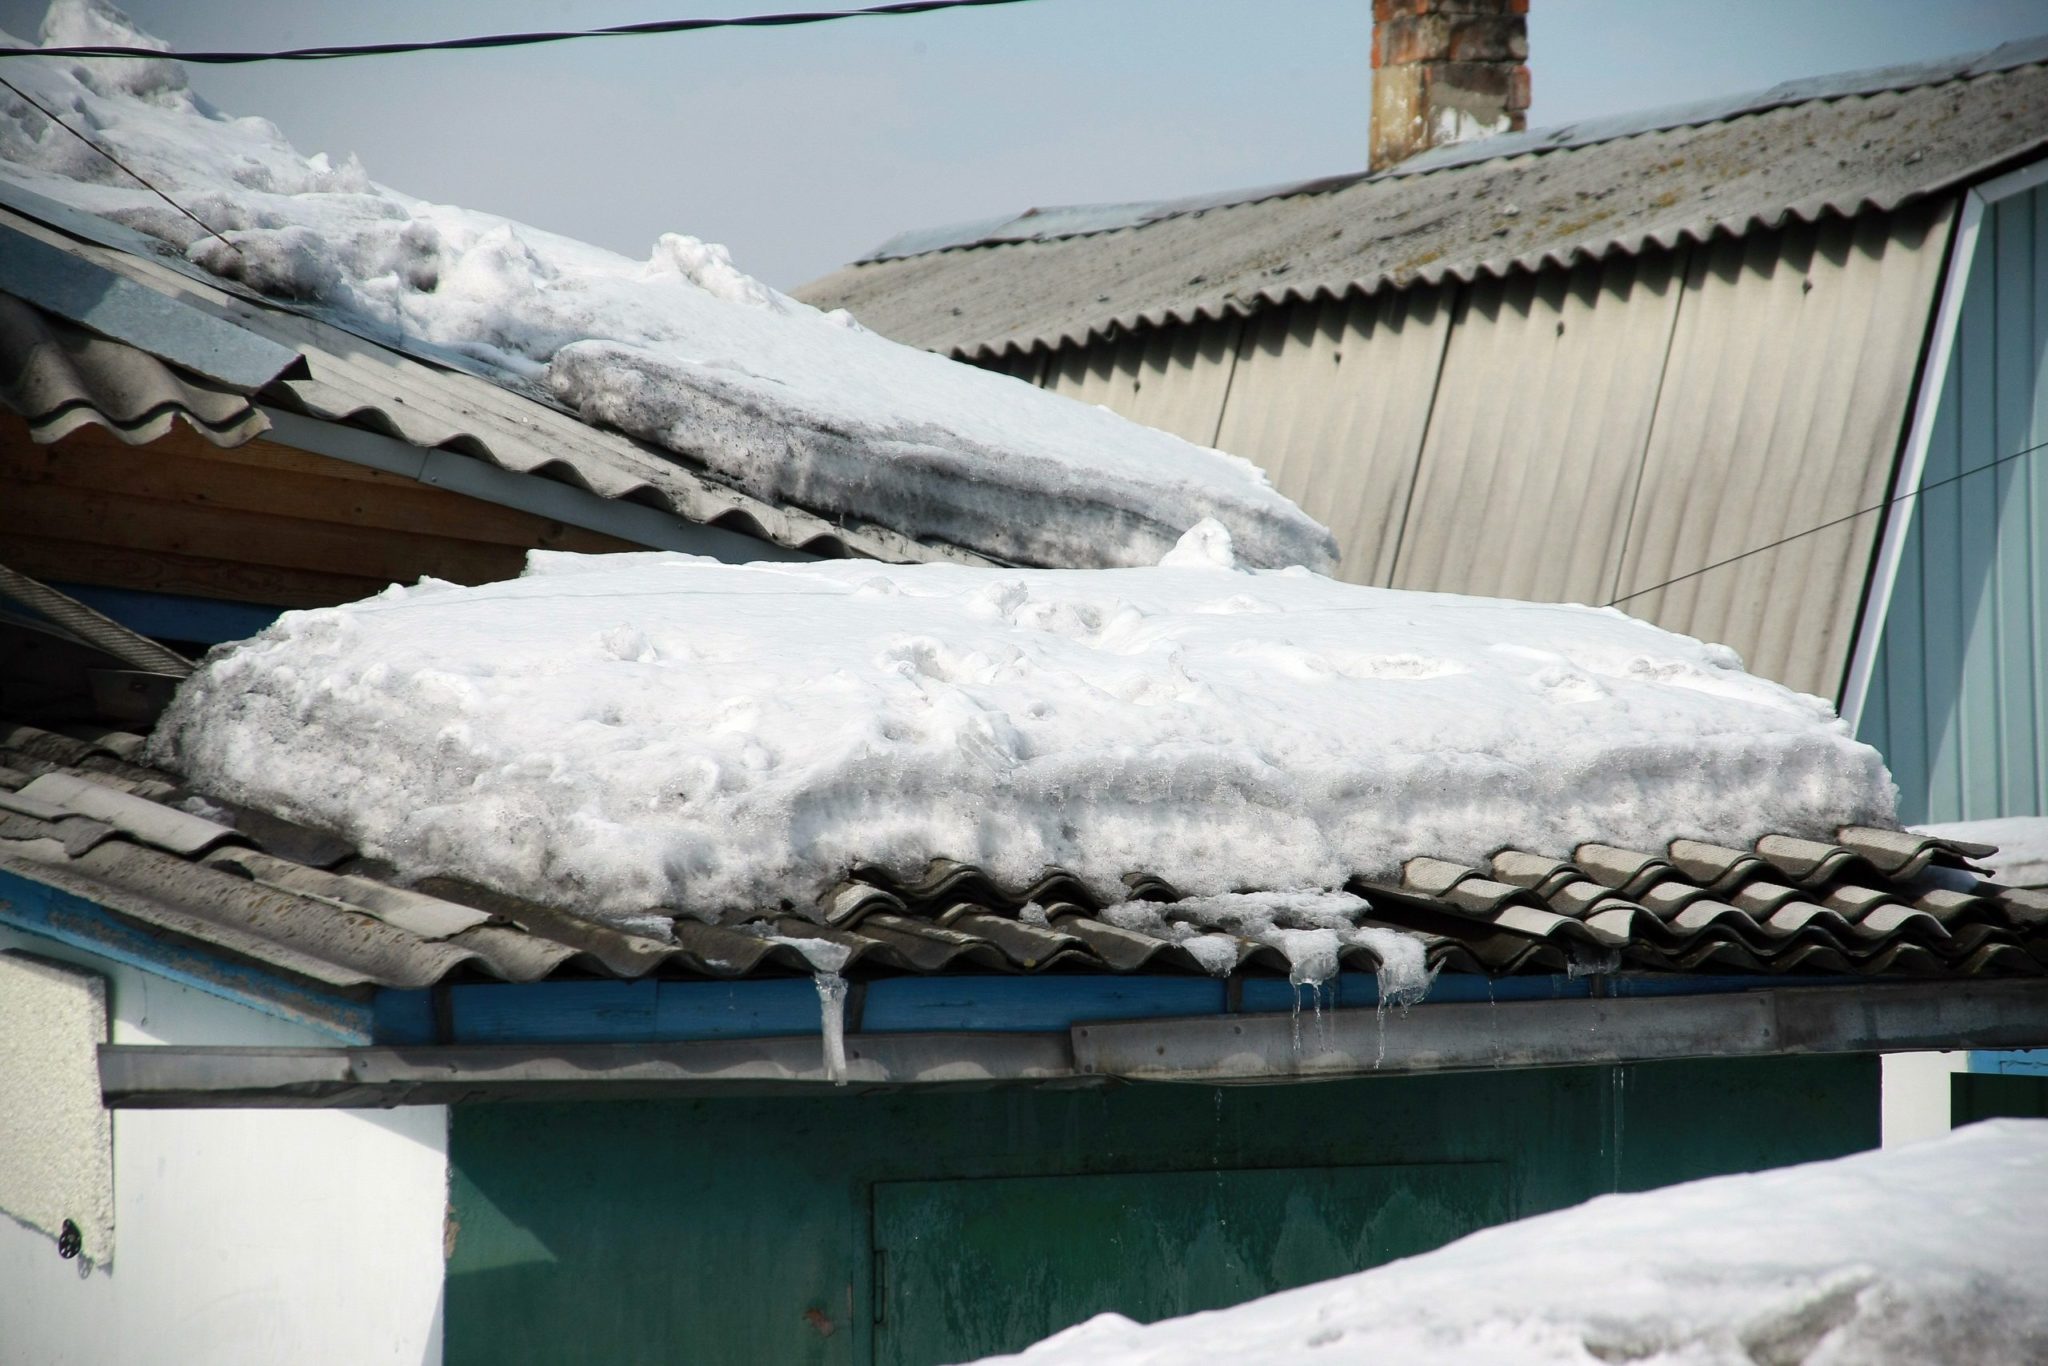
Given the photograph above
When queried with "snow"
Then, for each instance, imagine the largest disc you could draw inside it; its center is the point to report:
(2022, 858)
(681, 349)
(1309, 928)
(1922, 1253)
(630, 732)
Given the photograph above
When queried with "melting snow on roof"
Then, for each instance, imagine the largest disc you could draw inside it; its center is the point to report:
(681, 349)
(616, 733)
(1930, 1252)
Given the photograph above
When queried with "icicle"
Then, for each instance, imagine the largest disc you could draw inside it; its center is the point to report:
(832, 1011)
(826, 959)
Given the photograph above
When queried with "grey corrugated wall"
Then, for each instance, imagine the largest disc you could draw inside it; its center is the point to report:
(1959, 695)
(1584, 434)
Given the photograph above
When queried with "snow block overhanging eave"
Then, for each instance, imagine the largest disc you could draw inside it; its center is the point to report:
(803, 411)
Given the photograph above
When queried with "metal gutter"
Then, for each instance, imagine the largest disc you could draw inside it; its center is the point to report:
(528, 493)
(170, 1077)
(1597, 1030)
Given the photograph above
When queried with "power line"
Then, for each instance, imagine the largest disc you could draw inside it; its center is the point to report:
(32, 103)
(1824, 526)
(496, 40)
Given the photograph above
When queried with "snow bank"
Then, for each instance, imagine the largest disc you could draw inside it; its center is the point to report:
(1924, 1253)
(682, 349)
(2022, 858)
(657, 730)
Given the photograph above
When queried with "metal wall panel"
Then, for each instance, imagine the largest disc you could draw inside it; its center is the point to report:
(1536, 441)
(1782, 407)
(1332, 400)
(1029, 366)
(1172, 378)
(1959, 695)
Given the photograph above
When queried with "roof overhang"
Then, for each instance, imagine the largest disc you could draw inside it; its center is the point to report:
(1211, 1050)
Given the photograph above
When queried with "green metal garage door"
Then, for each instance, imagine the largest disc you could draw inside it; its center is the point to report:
(968, 1268)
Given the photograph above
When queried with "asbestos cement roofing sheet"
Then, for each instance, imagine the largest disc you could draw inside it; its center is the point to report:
(1828, 156)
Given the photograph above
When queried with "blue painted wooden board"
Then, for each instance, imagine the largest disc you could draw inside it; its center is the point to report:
(1030, 1004)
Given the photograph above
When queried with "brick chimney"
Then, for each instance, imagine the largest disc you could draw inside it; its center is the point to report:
(1446, 71)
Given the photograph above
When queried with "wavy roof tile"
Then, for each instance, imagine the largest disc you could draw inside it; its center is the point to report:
(79, 813)
(1839, 145)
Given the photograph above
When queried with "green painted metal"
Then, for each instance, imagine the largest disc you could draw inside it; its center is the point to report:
(1958, 698)
(973, 1268)
(1981, 1095)
(742, 1230)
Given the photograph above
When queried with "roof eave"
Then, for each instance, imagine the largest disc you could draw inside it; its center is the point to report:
(1767, 1022)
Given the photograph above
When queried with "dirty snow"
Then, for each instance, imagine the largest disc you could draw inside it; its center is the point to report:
(1931, 1252)
(2022, 857)
(626, 732)
(681, 349)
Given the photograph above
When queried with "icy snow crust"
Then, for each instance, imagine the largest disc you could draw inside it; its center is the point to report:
(615, 733)
(682, 349)
(1926, 1253)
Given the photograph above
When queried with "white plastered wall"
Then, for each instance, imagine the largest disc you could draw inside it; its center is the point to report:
(240, 1236)
(1916, 1094)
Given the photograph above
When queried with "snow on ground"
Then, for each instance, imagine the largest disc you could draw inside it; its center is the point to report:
(680, 349)
(1930, 1252)
(624, 732)
(2022, 858)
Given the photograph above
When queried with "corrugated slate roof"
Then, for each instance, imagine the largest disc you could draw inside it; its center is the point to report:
(423, 400)
(1868, 141)
(61, 377)
(81, 813)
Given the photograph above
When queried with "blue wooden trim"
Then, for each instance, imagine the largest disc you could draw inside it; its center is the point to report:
(403, 1017)
(1681, 984)
(632, 1012)
(2019, 1062)
(174, 616)
(52, 913)
(648, 1010)
(765, 1008)
(567, 1012)
(1459, 988)
(1030, 1005)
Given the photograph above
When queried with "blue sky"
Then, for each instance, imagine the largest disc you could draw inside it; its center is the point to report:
(801, 148)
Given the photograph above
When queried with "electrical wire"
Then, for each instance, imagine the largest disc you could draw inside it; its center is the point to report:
(498, 40)
(36, 105)
(1835, 522)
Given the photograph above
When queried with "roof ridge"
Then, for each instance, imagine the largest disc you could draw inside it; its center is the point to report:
(1094, 219)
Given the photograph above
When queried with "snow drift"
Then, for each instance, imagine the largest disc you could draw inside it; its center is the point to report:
(623, 732)
(682, 349)
(1926, 1253)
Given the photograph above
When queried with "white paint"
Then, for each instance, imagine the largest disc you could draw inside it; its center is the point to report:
(1916, 1100)
(56, 1147)
(257, 1236)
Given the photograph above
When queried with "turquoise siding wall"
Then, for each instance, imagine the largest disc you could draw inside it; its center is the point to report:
(745, 1230)
(1958, 696)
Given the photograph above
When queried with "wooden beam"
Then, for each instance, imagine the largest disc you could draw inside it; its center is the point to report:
(195, 530)
(271, 488)
(121, 567)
